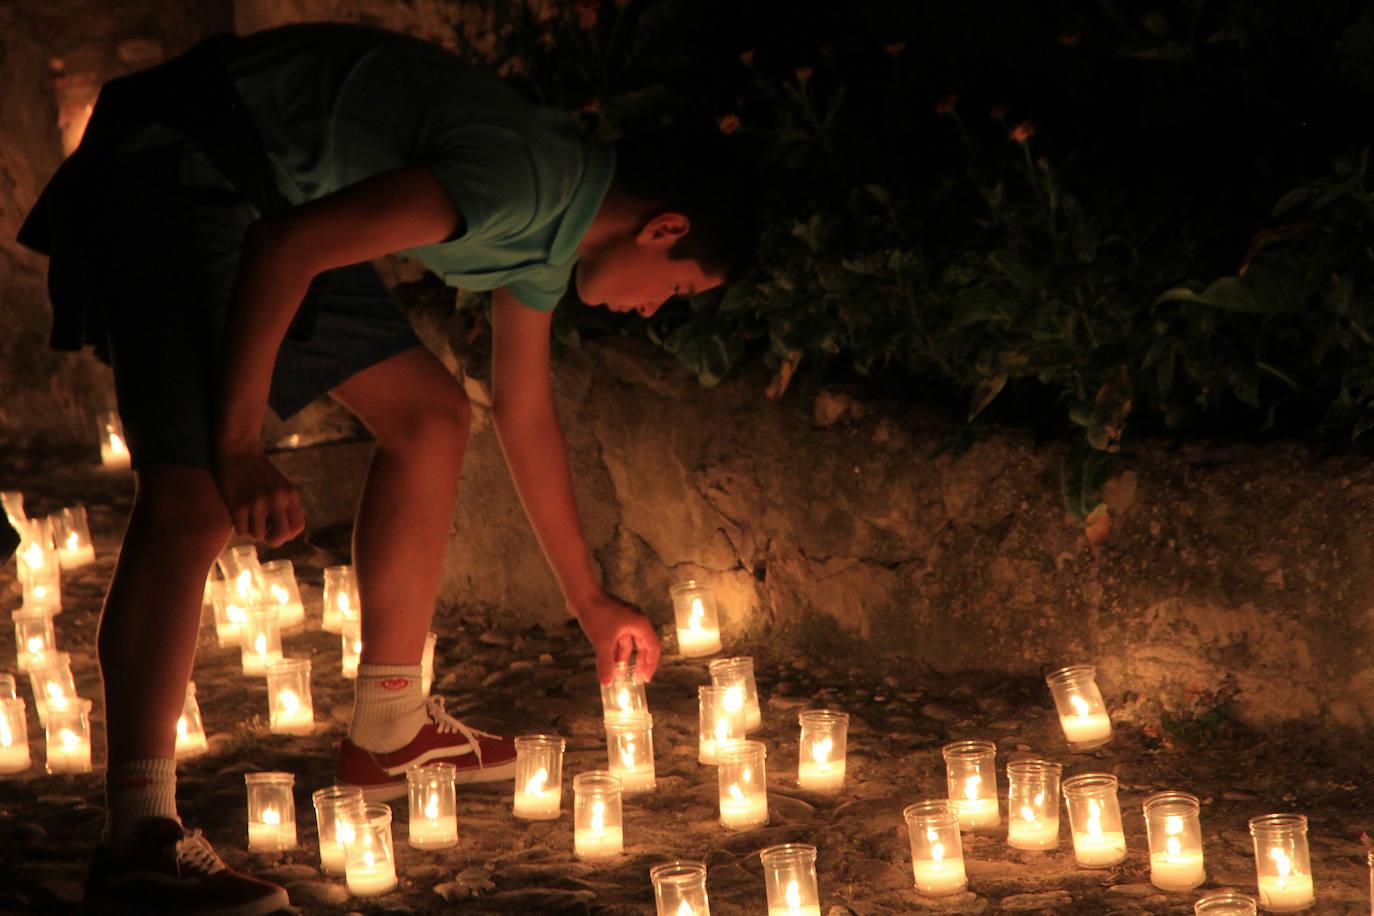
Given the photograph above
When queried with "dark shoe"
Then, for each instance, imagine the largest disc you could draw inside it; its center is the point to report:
(478, 757)
(172, 870)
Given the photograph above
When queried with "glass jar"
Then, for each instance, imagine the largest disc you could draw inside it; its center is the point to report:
(971, 777)
(823, 749)
(1082, 712)
(261, 640)
(1099, 841)
(370, 857)
(1225, 903)
(698, 627)
(630, 749)
(341, 600)
(719, 721)
(69, 736)
(1283, 863)
(1033, 804)
(1174, 827)
(789, 880)
(937, 853)
(114, 449)
(53, 684)
(350, 646)
(738, 673)
(337, 808)
(14, 736)
(281, 591)
(538, 776)
(680, 889)
(624, 695)
(231, 613)
(290, 708)
(743, 782)
(433, 805)
(191, 741)
(72, 537)
(271, 812)
(34, 638)
(598, 825)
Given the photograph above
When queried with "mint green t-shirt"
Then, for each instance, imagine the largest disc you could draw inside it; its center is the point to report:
(336, 104)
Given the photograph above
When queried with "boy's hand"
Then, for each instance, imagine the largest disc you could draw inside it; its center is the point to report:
(616, 630)
(264, 505)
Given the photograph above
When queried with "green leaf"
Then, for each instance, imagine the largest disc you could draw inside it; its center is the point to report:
(1228, 294)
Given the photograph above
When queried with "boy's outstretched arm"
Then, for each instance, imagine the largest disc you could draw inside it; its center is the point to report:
(532, 440)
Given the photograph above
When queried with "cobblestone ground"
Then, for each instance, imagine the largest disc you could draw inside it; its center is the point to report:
(543, 681)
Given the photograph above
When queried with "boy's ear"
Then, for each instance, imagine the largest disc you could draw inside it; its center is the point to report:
(664, 230)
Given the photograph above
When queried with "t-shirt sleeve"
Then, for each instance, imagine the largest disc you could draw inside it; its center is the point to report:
(489, 175)
(541, 290)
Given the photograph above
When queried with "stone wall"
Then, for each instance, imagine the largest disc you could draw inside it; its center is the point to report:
(1229, 571)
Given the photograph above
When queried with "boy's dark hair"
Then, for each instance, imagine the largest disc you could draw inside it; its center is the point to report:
(705, 175)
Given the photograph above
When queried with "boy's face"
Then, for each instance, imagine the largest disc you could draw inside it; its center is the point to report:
(633, 272)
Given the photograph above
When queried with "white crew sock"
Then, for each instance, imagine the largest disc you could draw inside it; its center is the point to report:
(388, 707)
(135, 791)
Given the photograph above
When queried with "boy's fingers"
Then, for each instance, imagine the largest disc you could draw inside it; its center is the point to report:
(241, 521)
(257, 521)
(647, 641)
(605, 665)
(295, 517)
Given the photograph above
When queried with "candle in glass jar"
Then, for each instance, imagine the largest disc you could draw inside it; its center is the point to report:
(69, 737)
(336, 809)
(291, 710)
(1033, 804)
(350, 647)
(271, 811)
(341, 601)
(370, 860)
(937, 856)
(114, 453)
(14, 736)
(1175, 835)
(821, 763)
(694, 608)
(433, 805)
(630, 749)
(1095, 820)
(737, 674)
(33, 637)
(598, 830)
(269, 834)
(281, 591)
(538, 776)
(719, 722)
(1082, 713)
(1283, 862)
(191, 740)
(789, 875)
(743, 784)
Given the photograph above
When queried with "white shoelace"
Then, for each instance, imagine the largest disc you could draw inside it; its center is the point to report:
(196, 855)
(447, 725)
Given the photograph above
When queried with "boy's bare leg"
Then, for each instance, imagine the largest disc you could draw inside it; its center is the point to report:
(419, 415)
(147, 640)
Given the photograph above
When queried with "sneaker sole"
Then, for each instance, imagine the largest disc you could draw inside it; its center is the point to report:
(390, 791)
(264, 907)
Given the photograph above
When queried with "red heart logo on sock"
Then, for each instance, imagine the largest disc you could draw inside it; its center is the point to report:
(395, 683)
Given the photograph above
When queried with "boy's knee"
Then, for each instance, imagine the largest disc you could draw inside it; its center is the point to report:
(184, 507)
(437, 419)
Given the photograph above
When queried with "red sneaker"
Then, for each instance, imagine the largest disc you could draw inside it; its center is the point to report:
(479, 757)
(175, 871)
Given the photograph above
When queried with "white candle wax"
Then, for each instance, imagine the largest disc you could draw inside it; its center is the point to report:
(1086, 729)
(1286, 895)
(1182, 871)
(698, 641)
(753, 717)
(1097, 850)
(114, 453)
(818, 776)
(598, 844)
(810, 909)
(537, 807)
(265, 837)
(332, 857)
(257, 660)
(938, 878)
(740, 811)
(370, 878)
(1038, 834)
(292, 717)
(976, 813)
(71, 753)
(637, 778)
(434, 833)
(14, 758)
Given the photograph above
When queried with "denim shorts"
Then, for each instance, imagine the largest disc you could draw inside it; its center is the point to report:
(172, 231)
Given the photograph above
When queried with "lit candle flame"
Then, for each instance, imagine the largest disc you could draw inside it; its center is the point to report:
(68, 739)
(1173, 847)
(722, 728)
(369, 859)
(288, 701)
(73, 541)
(6, 736)
(271, 816)
(697, 616)
(793, 896)
(260, 644)
(1027, 814)
(598, 817)
(1094, 818)
(117, 446)
(344, 605)
(235, 614)
(432, 807)
(181, 729)
(36, 645)
(280, 595)
(686, 909)
(56, 694)
(1282, 863)
(40, 591)
(244, 584)
(937, 849)
(735, 792)
(343, 831)
(535, 785)
(971, 787)
(1080, 705)
(622, 699)
(734, 698)
(820, 750)
(33, 556)
(627, 752)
